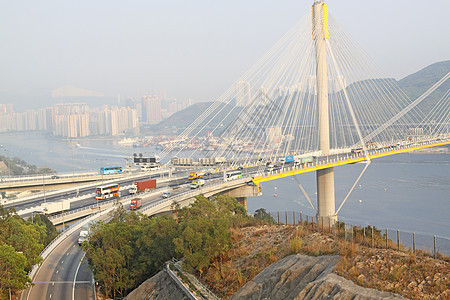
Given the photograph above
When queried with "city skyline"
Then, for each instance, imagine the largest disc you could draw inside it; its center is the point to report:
(75, 120)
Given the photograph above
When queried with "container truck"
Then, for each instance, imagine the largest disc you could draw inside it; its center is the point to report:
(135, 203)
(143, 186)
(50, 208)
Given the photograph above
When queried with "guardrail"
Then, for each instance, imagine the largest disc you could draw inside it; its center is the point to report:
(109, 202)
(193, 193)
(58, 239)
(68, 175)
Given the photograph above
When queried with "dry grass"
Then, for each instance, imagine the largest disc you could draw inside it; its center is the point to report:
(255, 248)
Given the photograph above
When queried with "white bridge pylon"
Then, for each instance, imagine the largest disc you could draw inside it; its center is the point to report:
(315, 93)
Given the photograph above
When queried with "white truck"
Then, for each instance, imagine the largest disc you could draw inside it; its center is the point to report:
(197, 184)
(50, 208)
(85, 231)
(84, 234)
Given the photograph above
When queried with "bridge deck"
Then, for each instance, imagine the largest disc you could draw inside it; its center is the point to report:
(338, 162)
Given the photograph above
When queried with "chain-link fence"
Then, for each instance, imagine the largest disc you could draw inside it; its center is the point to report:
(370, 236)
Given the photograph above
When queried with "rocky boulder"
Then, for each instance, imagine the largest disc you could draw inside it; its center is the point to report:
(306, 277)
(160, 286)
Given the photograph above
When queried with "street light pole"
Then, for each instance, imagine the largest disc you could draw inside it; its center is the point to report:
(71, 148)
(9, 164)
(43, 186)
(101, 167)
(62, 210)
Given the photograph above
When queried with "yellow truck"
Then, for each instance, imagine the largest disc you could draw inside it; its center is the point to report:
(194, 175)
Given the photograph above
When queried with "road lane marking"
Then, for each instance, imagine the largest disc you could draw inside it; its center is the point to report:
(57, 271)
(75, 278)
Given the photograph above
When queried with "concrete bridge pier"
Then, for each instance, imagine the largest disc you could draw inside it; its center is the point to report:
(243, 192)
(325, 177)
(325, 196)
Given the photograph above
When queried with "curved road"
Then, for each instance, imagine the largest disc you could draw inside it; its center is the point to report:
(64, 274)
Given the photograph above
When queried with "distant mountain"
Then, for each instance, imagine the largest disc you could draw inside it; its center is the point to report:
(412, 85)
(416, 84)
(183, 118)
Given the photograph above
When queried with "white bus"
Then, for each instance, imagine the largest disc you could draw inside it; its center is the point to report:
(234, 175)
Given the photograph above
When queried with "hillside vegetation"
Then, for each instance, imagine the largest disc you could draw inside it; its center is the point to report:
(226, 248)
(416, 84)
(21, 243)
(131, 247)
(17, 166)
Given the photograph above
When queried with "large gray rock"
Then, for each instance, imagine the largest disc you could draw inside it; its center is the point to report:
(160, 286)
(305, 277)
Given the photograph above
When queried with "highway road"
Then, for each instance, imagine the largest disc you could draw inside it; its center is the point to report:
(27, 206)
(64, 274)
(83, 191)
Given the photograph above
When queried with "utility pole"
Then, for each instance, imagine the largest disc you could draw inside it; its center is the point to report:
(325, 177)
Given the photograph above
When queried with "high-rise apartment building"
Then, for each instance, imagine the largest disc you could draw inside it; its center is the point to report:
(151, 109)
(71, 120)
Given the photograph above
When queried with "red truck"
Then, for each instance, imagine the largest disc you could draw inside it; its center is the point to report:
(136, 203)
(142, 186)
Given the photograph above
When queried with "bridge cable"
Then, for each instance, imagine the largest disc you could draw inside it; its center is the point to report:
(351, 190)
(352, 113)
(304, 192)
(409, 107)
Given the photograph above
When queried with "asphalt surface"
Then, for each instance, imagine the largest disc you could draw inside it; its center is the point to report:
(64, 274)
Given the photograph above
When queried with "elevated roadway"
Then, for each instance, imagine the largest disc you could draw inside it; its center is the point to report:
(344, 159)
(64, 180)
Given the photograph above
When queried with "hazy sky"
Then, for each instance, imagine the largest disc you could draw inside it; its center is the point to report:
(193, 49)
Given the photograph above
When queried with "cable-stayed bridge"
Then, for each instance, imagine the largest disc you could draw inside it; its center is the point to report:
(315, 101)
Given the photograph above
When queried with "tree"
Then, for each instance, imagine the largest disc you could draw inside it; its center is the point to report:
(24, 237)
(50, 230)
(112, 252)
(12, 270)
(203, 234)
(21, 243)
(262, 215)
(155, 244)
